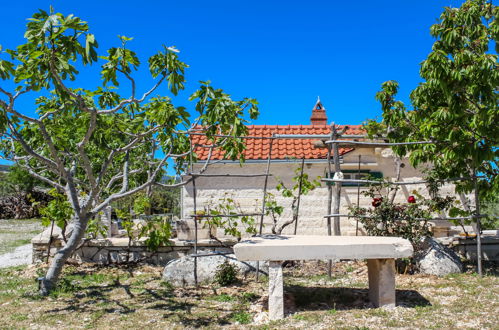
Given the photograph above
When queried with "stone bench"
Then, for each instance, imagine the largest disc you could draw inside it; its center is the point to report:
(380, 253)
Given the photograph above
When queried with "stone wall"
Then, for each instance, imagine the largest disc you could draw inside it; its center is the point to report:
(249, 191)
(116, 250)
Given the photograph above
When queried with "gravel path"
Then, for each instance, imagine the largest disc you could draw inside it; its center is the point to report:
(22, 255)
(15, 236)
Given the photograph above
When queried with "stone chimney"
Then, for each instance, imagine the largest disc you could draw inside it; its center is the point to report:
(318, 114)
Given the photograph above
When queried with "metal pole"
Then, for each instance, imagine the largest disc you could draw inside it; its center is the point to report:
(337, 186)
(358, 202)
(329, 199)
(296, 211)
(265, 186)
(478, 226)
(319, 136)
(264, 200)
(376, 144)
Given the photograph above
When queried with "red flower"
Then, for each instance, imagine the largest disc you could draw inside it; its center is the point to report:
(411, 199)
(377, 201)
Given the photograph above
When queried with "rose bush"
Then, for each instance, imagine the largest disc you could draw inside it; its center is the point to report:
(408, 220)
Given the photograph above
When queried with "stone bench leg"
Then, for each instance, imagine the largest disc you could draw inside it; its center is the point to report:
(382, 282)
(276, 295)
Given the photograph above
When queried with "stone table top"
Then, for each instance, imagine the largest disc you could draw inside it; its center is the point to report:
(308, 247)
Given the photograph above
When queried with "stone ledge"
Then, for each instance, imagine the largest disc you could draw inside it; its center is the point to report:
(288, 247)
(123, 242)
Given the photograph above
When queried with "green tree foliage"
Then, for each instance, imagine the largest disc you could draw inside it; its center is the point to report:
(95, 145)
(18, 180)
(58, 211)
(456, 105)
(162, 200)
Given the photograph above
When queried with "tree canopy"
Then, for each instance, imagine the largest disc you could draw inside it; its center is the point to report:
(456, 105)
(97, 146)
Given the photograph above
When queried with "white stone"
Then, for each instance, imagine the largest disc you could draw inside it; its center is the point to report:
(380, 252)
(437, 259)
(276, 291)
(180, 272)
(308, 247)
(44, 236)
(381, 273)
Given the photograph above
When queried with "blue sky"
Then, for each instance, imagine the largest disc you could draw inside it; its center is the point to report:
(284, 53)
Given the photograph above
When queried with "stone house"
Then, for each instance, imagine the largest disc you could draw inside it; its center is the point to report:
(286, 156)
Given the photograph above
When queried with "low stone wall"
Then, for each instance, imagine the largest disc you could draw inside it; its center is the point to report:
(467, 248)
(118, 251)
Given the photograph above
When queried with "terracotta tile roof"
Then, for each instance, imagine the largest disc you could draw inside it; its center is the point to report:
(282, 148)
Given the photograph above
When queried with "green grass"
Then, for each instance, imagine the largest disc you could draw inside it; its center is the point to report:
(242, 317)
(248, 297)
(119, 297)
(14, 233)
(332, 311)
(223, 298)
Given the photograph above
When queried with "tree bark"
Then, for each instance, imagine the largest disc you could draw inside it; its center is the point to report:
(48, 283)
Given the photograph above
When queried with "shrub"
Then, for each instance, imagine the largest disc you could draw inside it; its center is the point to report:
(408, 220)
(226, 274)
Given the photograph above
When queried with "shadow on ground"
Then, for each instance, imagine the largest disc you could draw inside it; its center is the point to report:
(340, 298)
(92, 299)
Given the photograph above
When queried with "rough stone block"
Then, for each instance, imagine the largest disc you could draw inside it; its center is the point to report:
(180, 272)
(437, 259)
(381, 273)
(311, 247)
(276, 291)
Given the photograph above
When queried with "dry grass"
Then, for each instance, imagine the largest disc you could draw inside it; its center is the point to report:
(112, 297)
(14, 233)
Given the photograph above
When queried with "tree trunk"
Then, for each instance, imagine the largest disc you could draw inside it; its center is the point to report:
(48, 282)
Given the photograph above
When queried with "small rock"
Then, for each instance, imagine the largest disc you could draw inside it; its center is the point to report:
(263, 304)
(437, 259)
(261, 318)
(180, 272)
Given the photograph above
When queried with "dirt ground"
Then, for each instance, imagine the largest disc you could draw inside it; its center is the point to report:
(115, 297)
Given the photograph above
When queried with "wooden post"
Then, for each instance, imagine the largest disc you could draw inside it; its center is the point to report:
(265, 186)
(264, 200)
(50, 241)
(478, 226)
(194, 201)
(297, 209)
(194, 197)
(337, 186)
